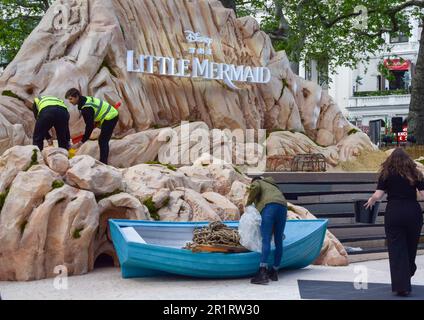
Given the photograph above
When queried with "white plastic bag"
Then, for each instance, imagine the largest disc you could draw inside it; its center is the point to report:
(250, 229)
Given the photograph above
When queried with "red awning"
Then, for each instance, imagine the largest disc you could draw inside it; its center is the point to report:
(397, 64)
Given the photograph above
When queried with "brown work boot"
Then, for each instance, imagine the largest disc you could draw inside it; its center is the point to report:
(273, 274)
(261, 277)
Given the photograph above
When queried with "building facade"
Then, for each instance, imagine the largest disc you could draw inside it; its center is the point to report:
(364, 94)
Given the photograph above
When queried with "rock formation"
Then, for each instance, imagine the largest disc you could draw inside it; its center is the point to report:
(179, 146)
(332, 253)
(52, 217)
(54, 211)
(84, 44)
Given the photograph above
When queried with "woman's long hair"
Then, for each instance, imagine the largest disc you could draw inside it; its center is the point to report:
(399, 163)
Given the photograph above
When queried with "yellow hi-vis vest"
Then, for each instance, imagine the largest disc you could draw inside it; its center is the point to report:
(102, 110)
(48, 101)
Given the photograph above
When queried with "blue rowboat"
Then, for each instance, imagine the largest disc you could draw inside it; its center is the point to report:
(147, 248)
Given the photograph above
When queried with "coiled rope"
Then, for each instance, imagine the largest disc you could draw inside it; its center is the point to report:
(216, 233)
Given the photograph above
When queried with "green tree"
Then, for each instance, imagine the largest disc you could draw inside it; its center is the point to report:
(343, 33)
(18, 19)
(346, 32)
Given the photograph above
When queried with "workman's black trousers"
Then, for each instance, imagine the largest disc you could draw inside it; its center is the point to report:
(106, 134)
(49, 117)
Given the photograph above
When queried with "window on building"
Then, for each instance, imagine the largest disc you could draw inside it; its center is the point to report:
(400, 38)
(399, 80)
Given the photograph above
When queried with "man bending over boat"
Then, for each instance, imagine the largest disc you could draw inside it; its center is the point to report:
(272, 205)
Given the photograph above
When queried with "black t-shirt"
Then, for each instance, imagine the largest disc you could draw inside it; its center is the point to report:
(399, 188)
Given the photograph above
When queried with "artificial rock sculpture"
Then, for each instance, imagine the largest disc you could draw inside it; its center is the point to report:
(84, 44)
(48, 220)
(54, 212)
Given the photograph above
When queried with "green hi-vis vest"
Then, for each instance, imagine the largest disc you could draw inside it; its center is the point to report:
(48, 101)
(102, 110)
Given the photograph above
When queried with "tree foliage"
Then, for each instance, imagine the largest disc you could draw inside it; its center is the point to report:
(18, 19)
(343, 33)
(337, 32)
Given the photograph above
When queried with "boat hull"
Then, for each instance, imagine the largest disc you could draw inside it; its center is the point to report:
(302, 246)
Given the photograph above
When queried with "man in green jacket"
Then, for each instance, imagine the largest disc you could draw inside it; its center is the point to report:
(272, 205)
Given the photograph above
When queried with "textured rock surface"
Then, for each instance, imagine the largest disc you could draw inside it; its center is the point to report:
(285, 143)
(119, 206)
(133, 149)
(64, 225)
(15, 160)
(57, 159)
(26, 193)
(226, 210)
(238, 194)
(45, 223)
(181, 145)
(332, 252)
(144, 180)
(177, 209)
(89, 174)
(201, 208)
(12, 132)
(84, 44)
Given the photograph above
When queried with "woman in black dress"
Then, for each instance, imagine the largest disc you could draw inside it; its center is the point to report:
(400, 179)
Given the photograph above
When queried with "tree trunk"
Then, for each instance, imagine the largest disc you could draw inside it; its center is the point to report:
(283, 25)
(284, 31)
(416, 108)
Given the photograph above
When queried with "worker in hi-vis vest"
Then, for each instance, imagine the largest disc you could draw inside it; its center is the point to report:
(94, 111)
(50, 112)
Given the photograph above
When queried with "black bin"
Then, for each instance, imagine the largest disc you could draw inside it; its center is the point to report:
(364, 215)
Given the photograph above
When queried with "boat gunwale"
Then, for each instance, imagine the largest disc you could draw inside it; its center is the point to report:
(133, 249)
(158, 248)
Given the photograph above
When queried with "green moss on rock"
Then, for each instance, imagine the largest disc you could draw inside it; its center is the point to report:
(77, 233)
(237, 170)
(3, 197)
(151, 206)
(353, 131)
(34, 159)
(57, 184)
(11, 94)
(169, 166)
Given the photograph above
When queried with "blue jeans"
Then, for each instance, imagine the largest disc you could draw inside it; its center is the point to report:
(274, 217)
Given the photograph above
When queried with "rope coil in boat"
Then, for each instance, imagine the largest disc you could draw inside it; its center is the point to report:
(216, 233)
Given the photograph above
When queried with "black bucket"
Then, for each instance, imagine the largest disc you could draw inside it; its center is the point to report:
(364, 215)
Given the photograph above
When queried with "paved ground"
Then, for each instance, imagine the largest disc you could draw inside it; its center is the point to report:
(106, 283)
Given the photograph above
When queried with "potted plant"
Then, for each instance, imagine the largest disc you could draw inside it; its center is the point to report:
(358, 82)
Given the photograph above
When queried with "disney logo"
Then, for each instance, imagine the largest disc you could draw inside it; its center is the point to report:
(197, 37)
